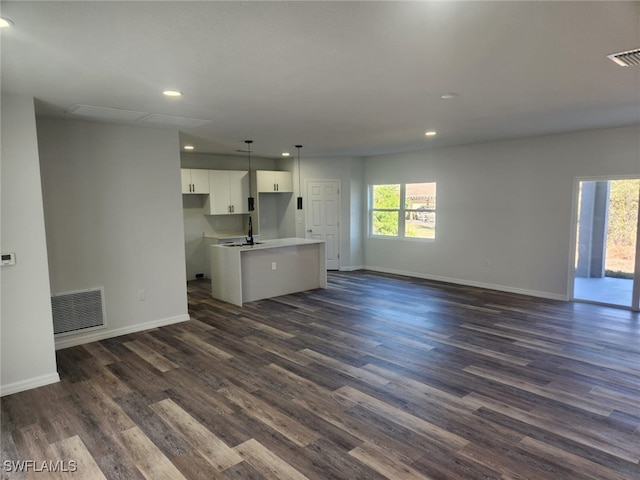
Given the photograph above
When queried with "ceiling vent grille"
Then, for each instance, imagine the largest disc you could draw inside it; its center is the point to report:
(106, 113)
(81, 310)
(626, 59)
(132, 116)
(174, 120)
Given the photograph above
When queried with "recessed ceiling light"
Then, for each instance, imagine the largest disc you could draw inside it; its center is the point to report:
(285, 154)
(172, 93)
(448, 95)
(430, 133)
(5, 22)
(188, 147)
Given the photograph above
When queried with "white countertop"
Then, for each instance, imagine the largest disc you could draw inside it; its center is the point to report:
(275, 243)
(225, 235)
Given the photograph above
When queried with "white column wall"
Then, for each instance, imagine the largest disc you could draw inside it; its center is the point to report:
(113, 212)
(504, 209)
(27, 353)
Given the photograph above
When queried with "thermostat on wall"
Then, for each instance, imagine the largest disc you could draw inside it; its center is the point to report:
(8, 259)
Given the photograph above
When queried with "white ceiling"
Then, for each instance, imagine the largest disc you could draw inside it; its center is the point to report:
(341, 78)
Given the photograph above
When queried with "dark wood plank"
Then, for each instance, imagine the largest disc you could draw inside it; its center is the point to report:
(378, 376)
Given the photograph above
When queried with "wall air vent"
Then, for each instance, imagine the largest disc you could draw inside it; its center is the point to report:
(626, 59)
(75, 311)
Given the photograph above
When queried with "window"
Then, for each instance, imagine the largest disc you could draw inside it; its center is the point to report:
(406, 210)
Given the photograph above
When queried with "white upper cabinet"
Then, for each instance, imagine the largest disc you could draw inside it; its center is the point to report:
(270, 181)
(228, 192)
(195, 180)
(239, 191)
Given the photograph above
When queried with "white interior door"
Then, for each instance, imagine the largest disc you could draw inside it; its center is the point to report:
(322, 218)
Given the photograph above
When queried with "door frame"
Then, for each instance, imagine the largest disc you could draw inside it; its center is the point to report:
(635, 296)
(307, 211)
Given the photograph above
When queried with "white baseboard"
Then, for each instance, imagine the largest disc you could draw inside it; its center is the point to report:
(28, 384)
(94, 336)
(352, 268)
(471, 283)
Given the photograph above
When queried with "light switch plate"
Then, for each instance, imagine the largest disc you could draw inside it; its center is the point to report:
(8, 259)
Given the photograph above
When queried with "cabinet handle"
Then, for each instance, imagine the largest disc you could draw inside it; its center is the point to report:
(233, 208)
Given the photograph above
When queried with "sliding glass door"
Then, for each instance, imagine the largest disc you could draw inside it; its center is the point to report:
(606, 261)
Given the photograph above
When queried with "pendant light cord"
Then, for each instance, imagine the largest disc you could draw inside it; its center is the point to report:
(299, 181)
(249, 142)
(250, 205)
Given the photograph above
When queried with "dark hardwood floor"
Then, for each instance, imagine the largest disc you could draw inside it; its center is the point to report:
(376, 377)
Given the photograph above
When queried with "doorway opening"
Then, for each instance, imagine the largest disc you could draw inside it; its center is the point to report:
(606, 252)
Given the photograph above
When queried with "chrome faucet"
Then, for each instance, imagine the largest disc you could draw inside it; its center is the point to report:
(249, 237)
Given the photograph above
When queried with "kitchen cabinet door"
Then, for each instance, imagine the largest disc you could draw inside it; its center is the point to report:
(218, 203)
(239, 191)
(269, 181)
(228, 192)
(284, 182)
(185, 175)
(195, 180)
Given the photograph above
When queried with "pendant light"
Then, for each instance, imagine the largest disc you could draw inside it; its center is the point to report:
(299, 189)
(250, 199)
(249, 237)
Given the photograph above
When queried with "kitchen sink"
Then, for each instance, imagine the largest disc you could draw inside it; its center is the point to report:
(240, 244)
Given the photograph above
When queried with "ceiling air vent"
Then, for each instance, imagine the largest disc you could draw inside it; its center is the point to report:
(626, 59)
(106, 113)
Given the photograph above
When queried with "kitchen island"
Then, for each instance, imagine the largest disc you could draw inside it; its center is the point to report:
(243, 273)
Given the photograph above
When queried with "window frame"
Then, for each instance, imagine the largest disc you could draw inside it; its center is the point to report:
(401, 211)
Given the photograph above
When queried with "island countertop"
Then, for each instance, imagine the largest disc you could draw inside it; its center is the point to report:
(275, 243)
(269, 268)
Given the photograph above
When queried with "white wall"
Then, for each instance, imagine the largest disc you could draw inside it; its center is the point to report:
(197, 224)
(349, 171)
(278, 214)
(27, 354)
(113, 213)
(357, 219)
(504, 209)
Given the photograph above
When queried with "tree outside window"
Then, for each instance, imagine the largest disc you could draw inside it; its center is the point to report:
(403, 210)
